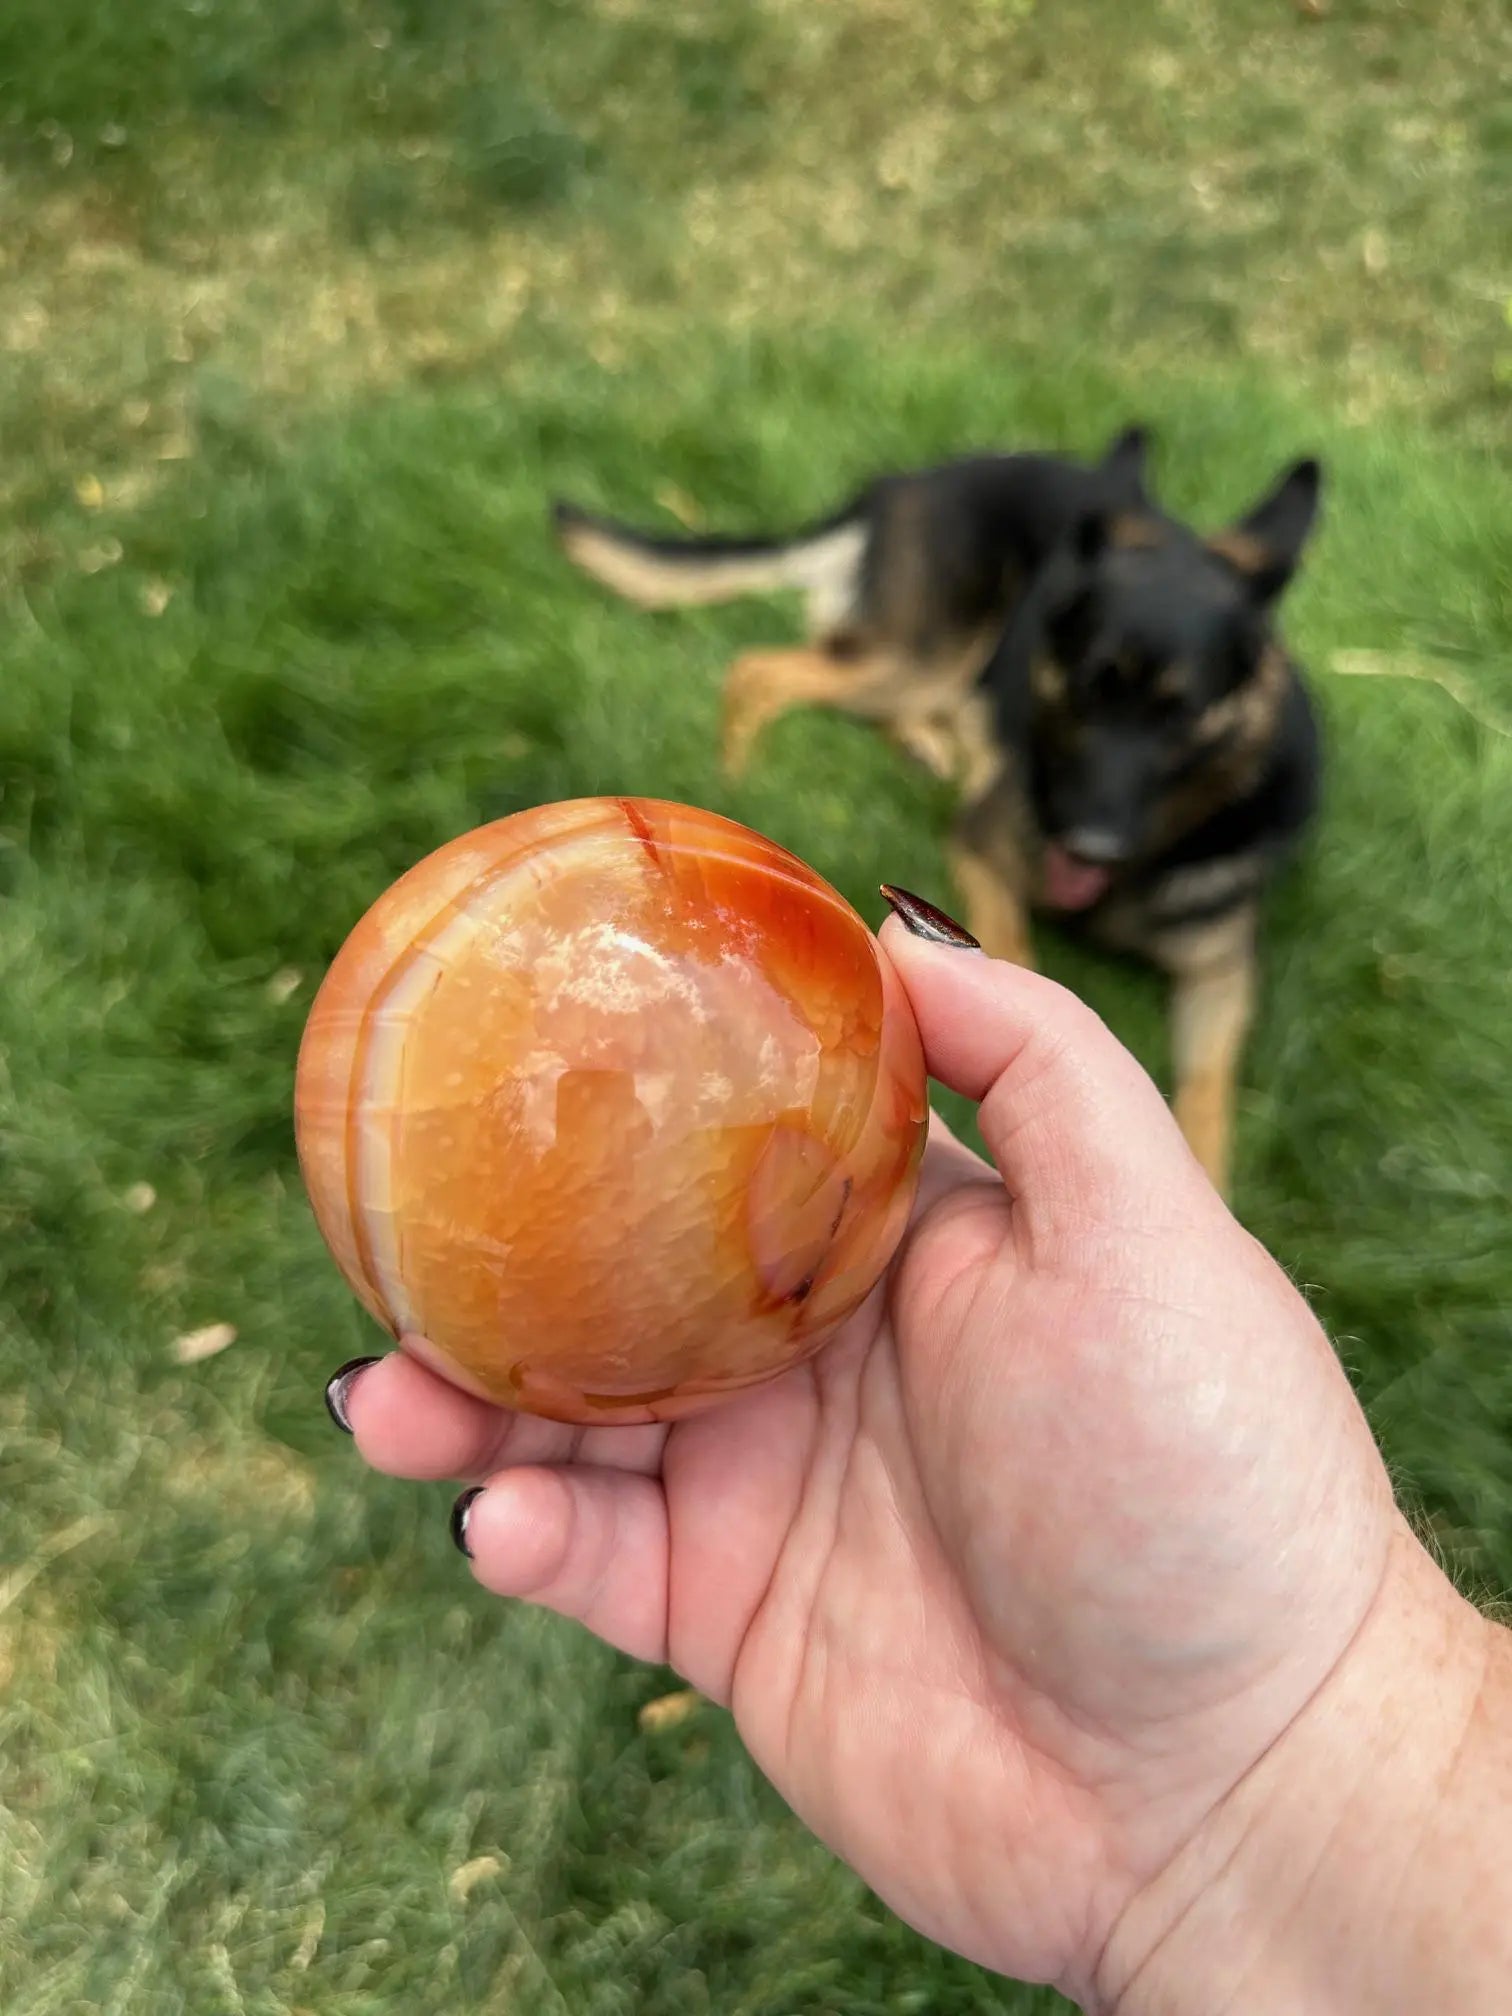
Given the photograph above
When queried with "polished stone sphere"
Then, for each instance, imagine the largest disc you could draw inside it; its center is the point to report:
(611, 1109)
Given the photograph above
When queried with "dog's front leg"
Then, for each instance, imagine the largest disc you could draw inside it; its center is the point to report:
(1212, 1006)
(990, 854)
(996, 913)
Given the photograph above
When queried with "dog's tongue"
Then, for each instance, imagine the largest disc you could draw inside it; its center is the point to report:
(1070, 884)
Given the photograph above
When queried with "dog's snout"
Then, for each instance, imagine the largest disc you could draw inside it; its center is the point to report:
(1098, 846)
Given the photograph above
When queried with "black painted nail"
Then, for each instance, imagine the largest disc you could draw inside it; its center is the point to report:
(459, 1514)
(926, 921)
(339, 1390)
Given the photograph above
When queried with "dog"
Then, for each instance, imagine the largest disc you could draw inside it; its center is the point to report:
(1132, 744)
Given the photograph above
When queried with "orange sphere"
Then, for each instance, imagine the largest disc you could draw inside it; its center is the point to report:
(610, 1109)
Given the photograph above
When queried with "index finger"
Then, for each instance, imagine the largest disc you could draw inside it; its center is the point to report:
(410, 1422)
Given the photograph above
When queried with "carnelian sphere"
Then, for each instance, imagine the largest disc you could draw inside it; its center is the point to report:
(615, 1106)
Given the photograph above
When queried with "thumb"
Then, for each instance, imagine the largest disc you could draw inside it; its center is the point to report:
(1075, 1125)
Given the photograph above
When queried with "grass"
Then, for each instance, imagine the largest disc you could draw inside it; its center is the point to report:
(306, 311)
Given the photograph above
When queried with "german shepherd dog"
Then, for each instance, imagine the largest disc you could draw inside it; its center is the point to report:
(1133, 747)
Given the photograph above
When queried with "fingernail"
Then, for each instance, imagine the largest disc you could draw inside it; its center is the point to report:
(459, 1514)
(339, 1390)
(925, 921)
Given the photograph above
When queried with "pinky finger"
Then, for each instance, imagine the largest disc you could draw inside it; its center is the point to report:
(589, 1544)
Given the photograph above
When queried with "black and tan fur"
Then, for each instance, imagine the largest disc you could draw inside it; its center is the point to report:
(1131, 743)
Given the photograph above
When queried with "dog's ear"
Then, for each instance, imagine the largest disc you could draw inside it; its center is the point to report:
(1266, 544)
(1123, 467)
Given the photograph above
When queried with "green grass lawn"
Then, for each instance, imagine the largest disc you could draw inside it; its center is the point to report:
(304, 313)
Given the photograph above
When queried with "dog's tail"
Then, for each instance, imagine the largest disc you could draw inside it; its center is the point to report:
(671, 573)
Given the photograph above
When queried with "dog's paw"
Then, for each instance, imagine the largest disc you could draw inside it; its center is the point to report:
(750, 702)
(737, 740)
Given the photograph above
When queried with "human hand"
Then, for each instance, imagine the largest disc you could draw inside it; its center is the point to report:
(1015, 1584)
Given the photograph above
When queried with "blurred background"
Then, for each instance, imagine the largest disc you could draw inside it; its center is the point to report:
(305, 312)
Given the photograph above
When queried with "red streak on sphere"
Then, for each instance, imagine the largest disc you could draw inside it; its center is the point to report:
(615, 1103)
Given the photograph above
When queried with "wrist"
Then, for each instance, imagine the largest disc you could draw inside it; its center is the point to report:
(1354, 1868)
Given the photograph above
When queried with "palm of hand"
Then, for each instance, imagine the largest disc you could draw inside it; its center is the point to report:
(994, 1586)
(1011, 1585)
